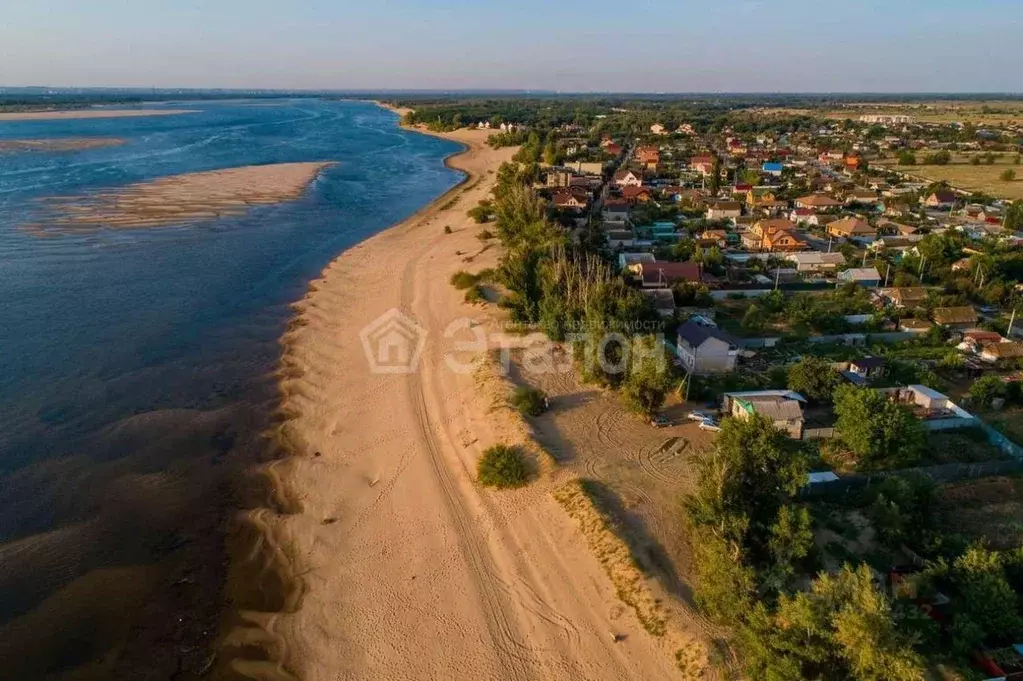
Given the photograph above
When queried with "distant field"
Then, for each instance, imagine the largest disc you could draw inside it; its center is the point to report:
(996, 113)
(962, 175)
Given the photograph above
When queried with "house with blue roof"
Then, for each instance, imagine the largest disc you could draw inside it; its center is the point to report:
(772, 169)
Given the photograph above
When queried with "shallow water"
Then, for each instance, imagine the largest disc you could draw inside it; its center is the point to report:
(136, 367)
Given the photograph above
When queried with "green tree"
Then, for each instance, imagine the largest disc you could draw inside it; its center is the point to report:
(646, 384)
(755, 319)
(550, 153)
(881, 433)
(985, 389)
(906, 158)
(940, 158)
(843, 628)
(1008, 175)
(749, 176)
(814, 377)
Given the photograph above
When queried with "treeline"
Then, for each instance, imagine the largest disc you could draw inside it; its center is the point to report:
(570, 292)
(755, 561)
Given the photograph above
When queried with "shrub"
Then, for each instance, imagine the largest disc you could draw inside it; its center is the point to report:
(463, 280)
(529, 401)
(447, 229)
(485, 235)
(474, 294)
(503, 467)
(1008, 175)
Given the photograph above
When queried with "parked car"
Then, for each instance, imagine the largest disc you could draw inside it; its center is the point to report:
(659, 421)
(698, 415)
(709, 424)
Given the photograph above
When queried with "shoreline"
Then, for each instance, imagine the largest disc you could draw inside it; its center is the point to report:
(388, 546)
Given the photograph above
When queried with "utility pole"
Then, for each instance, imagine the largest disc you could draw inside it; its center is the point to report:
(886, 273)
(1012, 320)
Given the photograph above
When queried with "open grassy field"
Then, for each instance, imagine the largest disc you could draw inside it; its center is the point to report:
(961, 174)
(979, 112)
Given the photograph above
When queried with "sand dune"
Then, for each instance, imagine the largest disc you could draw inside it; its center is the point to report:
(59, 144)
(184, 198)
(88, 113)
(412, 571)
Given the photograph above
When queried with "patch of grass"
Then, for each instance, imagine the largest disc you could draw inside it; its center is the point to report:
(578, 500)
(450, 204)
(529, 401)
(503, 467)
(463, 280)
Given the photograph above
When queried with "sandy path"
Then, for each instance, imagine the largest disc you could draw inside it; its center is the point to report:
(88, 113)
(413, 571)
(59, 144)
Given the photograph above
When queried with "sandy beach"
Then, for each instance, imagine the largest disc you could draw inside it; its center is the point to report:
(411, 570)
(185, 198)
(59, 144)
(87, 113)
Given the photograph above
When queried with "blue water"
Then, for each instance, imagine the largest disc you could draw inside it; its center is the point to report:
(113, 340)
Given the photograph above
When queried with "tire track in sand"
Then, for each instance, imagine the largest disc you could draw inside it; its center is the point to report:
(474, 548)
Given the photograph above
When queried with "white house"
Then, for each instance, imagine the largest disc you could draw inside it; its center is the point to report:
(705, 349)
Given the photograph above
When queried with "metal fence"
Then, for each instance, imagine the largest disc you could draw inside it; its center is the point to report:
(951, 472)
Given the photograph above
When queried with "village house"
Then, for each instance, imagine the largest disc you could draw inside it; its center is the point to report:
(851, 227)
(557, 177)
(861, 196)
(705, 349)
(817, 202)
(719, 237)
(723, 210)
(1001, 351)
(630, 262)
(759, 197)
(702, 164)
(783, 408)
(664, 273)
(963, 317)
(885, 226)
(814, 261)
(905, 296)
(867, 277)
(773, 169)
(628, 178)
(658, 129)
(571, 198)
(962, 265)
(615, 210)
(918, 326)
(633, 194)
(648, 156)
(867, 367)
(773, 235)
(941, 200)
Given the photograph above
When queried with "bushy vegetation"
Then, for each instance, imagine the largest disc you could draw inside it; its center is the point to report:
(880, 433)
(503, 467)
(814, 377)
(463, 280)
(529, 401)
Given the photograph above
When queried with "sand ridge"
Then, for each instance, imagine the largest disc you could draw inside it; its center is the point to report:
(180, 199)
(412, 571)
(59, 144)
(75, 114)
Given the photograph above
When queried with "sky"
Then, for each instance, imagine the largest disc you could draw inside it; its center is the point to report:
(563, 45)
